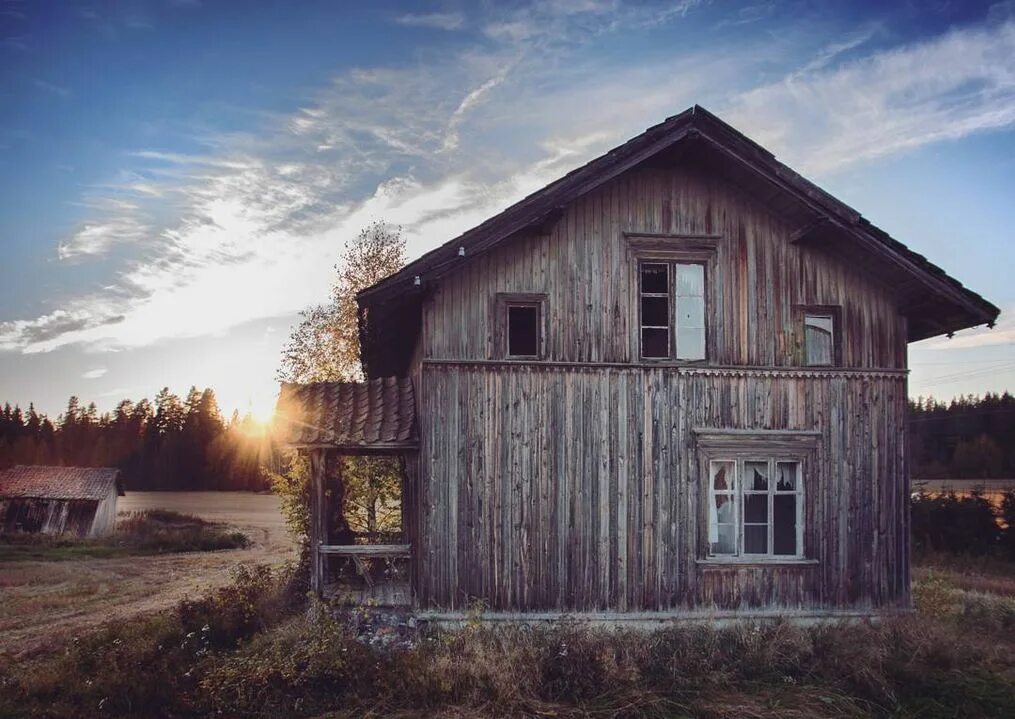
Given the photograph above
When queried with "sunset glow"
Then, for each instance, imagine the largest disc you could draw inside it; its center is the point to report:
(165, 225)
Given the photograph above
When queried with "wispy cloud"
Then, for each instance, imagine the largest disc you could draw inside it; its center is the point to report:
(94, 373)
(251, 227)
(825, 117)
(438, 20)
(98, 237)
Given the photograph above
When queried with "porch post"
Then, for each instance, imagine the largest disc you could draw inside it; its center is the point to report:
(318, 519)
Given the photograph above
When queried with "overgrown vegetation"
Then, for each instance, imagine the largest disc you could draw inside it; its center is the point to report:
(244, 652)
(153, 531)
(966, 525)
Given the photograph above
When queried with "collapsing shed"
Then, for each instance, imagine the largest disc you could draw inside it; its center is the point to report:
(59, 500)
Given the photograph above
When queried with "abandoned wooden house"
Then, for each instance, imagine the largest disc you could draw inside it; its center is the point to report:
(670, 384)
(59, 500)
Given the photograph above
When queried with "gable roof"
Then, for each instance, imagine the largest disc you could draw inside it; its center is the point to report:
(934, 302)
(41, 482)
(369, 416)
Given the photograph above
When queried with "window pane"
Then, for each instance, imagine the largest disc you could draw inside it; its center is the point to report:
(523, 331)
(724, 508)
(722, 475)
(690, 280)
(786, 476)
(690, 312)
(784, 524)
(726, 541)
(756, 508)
(655, 343)
(655, 312)
(691, 343)
(756, 476)
(654, 278)
(818, 331)
(756, 539)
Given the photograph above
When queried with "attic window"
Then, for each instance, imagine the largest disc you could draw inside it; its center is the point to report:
(521, 320)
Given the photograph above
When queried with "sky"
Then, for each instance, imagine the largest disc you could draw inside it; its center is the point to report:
(177, 177)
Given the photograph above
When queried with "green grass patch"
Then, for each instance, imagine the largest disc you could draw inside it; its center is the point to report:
(139, 533)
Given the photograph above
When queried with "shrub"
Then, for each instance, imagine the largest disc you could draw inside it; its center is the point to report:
(948, 523)
(1008, 519)
(147, 666)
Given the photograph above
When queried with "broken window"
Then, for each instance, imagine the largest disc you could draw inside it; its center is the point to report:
(819, 339)
(672, 296)
(523, 330)
(755, 508)
(520, 325)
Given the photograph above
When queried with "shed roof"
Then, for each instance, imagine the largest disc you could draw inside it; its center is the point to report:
(377, 415)
(934, 302)
(42, 482)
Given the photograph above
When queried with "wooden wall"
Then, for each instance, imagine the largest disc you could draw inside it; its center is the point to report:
(583, 266)
(572, 484)
(561, 487)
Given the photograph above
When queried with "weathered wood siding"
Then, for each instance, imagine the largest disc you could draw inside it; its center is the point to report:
(47, 516)
(578, 488)
(572, 483)
(584, 268)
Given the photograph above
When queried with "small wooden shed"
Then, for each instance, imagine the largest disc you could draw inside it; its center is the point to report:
(59, 500)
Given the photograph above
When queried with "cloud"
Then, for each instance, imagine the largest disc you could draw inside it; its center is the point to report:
(50, 328)
(821, 119)
(250, 226)
(97, 237)
(437, 20)
(94, 373)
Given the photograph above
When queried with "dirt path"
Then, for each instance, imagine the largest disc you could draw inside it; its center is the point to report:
(41, 602)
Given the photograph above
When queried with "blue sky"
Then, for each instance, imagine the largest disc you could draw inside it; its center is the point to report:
(177, 177)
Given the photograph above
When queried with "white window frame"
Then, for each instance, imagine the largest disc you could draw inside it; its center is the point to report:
(672, 327)
(737, 495)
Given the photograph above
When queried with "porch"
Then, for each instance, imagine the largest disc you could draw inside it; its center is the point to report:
(361, 447)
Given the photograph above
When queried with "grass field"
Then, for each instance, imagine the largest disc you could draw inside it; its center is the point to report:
(182, 636)
(244, 652)
(44, 602)
(141, 533)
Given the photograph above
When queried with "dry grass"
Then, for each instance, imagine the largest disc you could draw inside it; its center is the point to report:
(45, 603)
(237, 655)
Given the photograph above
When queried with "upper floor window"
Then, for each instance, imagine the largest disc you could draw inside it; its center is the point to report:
(672, 304)
(521, 323)
(821, 335)
(755, 508)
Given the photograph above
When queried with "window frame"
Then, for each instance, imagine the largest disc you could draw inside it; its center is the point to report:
(649, 248)
(738, 445)
(832, 311)
(740, 492)
(502, 304)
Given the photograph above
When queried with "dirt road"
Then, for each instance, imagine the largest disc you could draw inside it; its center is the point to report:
(44, 602)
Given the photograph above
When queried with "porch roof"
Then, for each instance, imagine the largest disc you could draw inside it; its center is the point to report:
(368, 417)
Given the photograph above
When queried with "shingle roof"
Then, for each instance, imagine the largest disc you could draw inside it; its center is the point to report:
(379, 414)
(59, 482)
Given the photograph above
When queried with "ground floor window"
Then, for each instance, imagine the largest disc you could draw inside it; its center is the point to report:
(755, 507)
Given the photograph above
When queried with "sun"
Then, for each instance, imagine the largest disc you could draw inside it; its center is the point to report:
(261, 407)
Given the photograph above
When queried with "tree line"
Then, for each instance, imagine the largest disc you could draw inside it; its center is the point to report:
(166, 444)
(968, 437)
